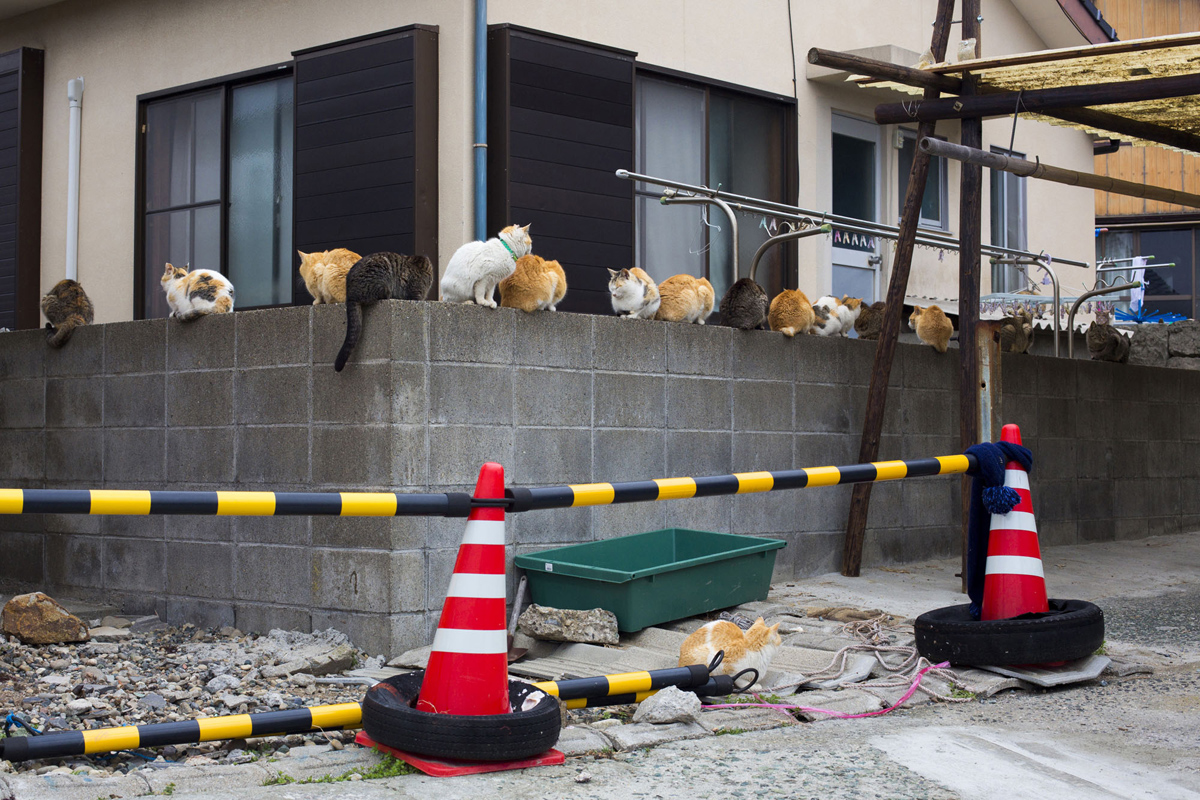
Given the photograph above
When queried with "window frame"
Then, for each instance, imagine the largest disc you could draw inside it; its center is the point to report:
(943, 224)
(224, 84)
(789, 160)
(1009, 271)
(1135, 231)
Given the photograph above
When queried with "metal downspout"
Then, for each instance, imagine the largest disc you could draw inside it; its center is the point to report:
(480, 146)
(75, 101)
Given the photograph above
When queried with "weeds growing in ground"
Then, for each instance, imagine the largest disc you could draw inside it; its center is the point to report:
(388, 767)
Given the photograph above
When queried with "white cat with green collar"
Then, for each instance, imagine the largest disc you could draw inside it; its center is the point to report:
(477, 268)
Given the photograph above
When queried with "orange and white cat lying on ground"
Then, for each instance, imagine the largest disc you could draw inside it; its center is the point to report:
(752, 649)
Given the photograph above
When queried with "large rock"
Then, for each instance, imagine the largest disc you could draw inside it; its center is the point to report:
(1149, 345)
(37, 618)
(668, 705)
(594, 626)
(1183, 338)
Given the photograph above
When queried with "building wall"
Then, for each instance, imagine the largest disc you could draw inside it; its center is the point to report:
(250, 401)
(124, 48)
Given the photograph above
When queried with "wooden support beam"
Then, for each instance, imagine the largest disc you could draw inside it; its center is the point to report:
(1103, 121)
(1031, 169)
(883, 70)
(885, 350)
(970, 223)
(1037, 100)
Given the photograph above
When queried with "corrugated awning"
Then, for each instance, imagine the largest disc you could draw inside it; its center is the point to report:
(1129, 61)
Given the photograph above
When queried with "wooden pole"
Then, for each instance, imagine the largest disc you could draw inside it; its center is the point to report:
(1090, 117)
(883, 70)
(970, 221)
(1031, 169)
(1001, 104)
(860, 500)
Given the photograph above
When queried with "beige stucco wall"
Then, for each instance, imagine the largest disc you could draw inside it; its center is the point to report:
(124, 48)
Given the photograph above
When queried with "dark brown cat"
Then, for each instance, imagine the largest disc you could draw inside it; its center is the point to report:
(381, 276)
(870, 320)
(1106, 343)
(67, 307)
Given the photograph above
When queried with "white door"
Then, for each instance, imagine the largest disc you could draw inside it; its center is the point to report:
(856, 170)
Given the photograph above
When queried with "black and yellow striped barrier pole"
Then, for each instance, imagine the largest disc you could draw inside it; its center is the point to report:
(450, 504)
(204, 729)
(602, 494)
(634, 687)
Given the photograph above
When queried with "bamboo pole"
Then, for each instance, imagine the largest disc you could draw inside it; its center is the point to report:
(885, 350)
(909, 76)
(1070, 177)
(1001, 104)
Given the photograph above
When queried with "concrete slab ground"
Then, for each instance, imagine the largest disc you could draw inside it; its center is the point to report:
(1115, 737)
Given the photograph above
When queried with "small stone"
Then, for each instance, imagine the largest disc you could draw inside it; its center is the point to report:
(153, 701)
(583, 777)
(79, 706)
(37, 618)
(221, 683)
(336, 744)
(602, 724)
(198, 760)
(668, 705)
(303, 679)
(109, 633)
(354, 776)
(593, 626)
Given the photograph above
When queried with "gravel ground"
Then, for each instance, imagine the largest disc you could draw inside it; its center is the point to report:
(1170, 620)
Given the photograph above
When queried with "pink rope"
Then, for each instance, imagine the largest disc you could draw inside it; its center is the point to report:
(783, 706)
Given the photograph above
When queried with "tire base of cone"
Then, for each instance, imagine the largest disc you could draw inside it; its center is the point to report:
(448, 768)
(1015, 583)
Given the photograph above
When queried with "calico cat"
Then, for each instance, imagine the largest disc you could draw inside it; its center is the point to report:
(324, 273)
(477, 267)
(194, 294)
(1106, 343)
(67, 307)
(634, 293)
(826, 321)
(790, 313)
(870, 320)
(752, 649)
(535, 285)
(744, 305)
(932, 326)
(381, 276)
(684, 298)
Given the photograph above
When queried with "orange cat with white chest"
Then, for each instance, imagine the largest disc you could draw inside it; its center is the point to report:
(752, 649)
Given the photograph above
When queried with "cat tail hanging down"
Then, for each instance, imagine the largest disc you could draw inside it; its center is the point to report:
(57, 337)
(356, 296)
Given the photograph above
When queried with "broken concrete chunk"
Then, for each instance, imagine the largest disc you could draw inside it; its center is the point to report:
(578, 740)
(109, 633)
(668, 705)
(639, 735)
(37, 618)
(844, 701)
(594, 626)
(339, 659)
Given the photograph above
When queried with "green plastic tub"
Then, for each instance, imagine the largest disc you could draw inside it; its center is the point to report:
(654, 577)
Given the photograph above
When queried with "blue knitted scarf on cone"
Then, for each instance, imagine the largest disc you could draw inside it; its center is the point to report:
(989, 496)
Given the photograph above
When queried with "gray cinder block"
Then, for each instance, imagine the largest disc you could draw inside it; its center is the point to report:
(135, 346)
(762, 406)
(478, 395)
(551, 455)
(273, 395)
(74, 403)
(200, 569)
(274, 337)
(135, 401)
(470, 333)
(699, 403)
(204, 343)
(626, 400)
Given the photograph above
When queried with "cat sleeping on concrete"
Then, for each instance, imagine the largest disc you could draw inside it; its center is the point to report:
(932, 325)
(535, 285)
(752, 649)
(684, 298)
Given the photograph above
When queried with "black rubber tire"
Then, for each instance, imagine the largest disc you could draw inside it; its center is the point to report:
(391, 718)
(949, 634)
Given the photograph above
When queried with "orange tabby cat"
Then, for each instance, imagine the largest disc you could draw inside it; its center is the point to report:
(790, 313)
(685, 299)
(932, 326)
(752, 649)
(325, 273)
(535, 285)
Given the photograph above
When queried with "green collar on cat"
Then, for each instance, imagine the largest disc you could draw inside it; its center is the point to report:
(509, 249)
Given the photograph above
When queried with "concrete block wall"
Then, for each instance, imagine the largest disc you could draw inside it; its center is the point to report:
(250, 401)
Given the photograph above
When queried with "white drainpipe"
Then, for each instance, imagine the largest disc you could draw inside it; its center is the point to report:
(75, 98)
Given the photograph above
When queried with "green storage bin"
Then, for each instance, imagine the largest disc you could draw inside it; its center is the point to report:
(648, 578)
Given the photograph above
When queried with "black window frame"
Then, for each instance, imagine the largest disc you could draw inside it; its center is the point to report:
(1191, 226)
(787, 277)
(225, 85)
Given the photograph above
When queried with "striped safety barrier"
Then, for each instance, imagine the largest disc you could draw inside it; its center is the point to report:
(451, 504)
(204, 729)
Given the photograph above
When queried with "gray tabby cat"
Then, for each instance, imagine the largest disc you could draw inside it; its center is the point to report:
(381, 276)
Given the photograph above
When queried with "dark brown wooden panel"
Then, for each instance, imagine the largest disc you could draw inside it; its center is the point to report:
(349, 83)
(351, 106)
(564, 201)
(556, 126)
(366, 110)
(597, 61)
(569, 105)
(561, 176)
(590, 86)
(571, 251)
(584, 229)
(358, 201)
(560, 151)
(21, 105)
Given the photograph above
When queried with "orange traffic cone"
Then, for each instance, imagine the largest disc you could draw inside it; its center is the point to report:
(1014, 582)
(468, 668)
